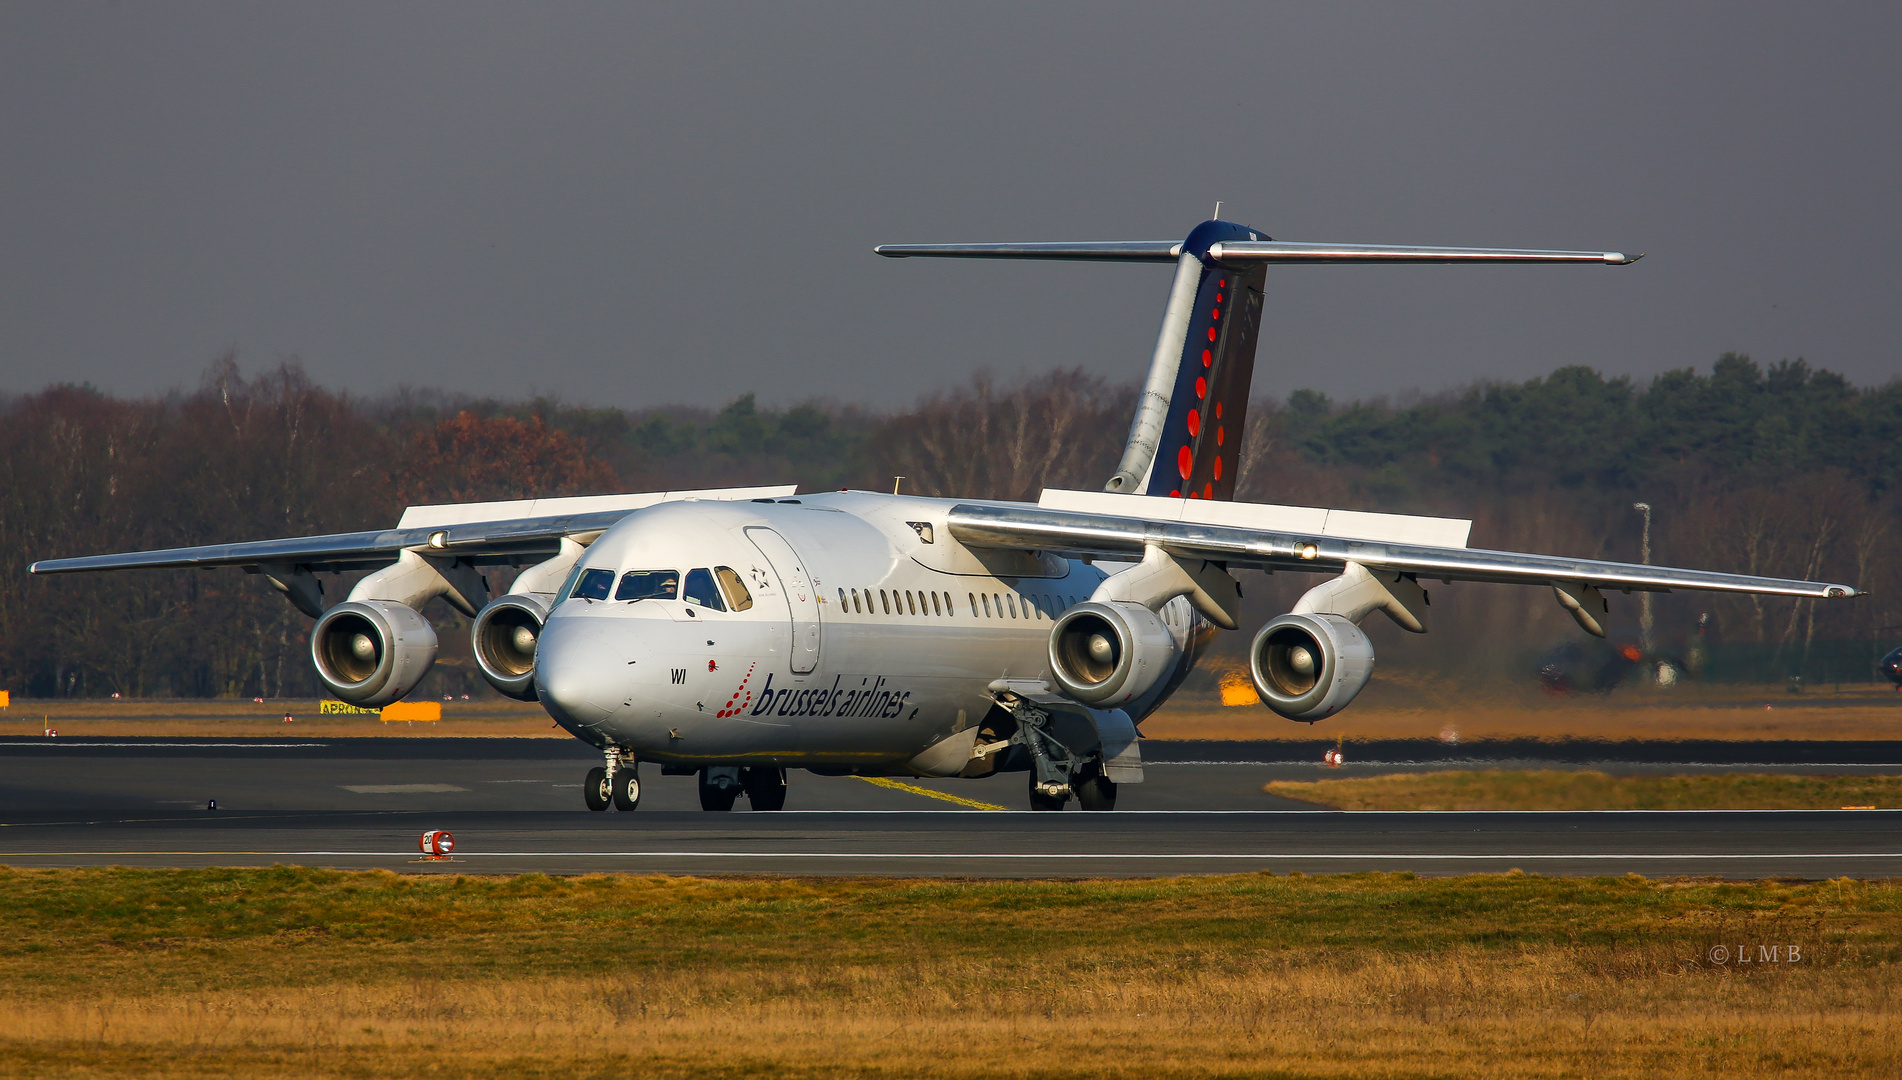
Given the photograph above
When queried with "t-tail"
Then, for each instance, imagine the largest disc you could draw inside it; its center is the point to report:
(1186, 439)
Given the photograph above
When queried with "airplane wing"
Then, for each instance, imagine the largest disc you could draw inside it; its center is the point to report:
(477, 533)
(1315, 546)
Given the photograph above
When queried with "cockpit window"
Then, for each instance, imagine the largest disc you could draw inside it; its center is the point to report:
(594, 584)
(700, 590)
(649, 585)
(737, 598)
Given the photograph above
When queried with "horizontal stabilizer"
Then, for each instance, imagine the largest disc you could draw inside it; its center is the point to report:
(1102, 251)
(1240, 252)
(1248, 252)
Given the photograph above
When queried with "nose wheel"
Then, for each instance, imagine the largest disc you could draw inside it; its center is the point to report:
(616, 784)
(627, 788)
(596, 789)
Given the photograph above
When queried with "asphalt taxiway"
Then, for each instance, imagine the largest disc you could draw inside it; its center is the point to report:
(514, 805)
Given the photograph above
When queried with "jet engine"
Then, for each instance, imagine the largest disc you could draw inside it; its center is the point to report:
(372, 652)
(505, 636)
(1107, 654)
(1308, 667)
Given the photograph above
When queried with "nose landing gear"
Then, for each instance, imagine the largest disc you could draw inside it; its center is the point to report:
(616, 784)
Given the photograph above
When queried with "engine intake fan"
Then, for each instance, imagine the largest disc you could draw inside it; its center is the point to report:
(1308, 667)
(372, 652)
(1108, 654)
(506, 634)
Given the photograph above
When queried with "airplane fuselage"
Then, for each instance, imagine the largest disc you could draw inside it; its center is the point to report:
(843, 631)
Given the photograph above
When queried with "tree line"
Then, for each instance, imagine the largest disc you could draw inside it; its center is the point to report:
(1788, 471)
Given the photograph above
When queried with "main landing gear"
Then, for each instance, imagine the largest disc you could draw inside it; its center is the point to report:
(764, 787)
(616, 784)
(1056, 774)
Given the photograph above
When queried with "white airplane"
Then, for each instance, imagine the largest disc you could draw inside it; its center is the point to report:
(735, 634)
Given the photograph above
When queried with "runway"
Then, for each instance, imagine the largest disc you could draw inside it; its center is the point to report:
(514, 805)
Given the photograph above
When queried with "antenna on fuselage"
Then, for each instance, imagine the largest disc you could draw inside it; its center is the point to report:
(896, 480)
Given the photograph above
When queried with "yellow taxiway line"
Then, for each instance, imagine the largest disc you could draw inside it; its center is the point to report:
(898, 785)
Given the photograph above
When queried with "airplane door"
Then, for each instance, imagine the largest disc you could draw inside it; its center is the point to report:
(795, 584)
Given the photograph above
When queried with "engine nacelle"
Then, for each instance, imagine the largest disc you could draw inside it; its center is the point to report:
(1108, 654)
(505, 636)
(1308, 667)
(372, 652)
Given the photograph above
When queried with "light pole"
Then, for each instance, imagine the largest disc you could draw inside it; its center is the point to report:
(1644, 599)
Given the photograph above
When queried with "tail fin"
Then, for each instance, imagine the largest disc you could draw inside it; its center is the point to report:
(1186, 444)
(1187, 433)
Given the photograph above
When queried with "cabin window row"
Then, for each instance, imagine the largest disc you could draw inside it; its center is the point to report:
(895, 602)
(1018, 605)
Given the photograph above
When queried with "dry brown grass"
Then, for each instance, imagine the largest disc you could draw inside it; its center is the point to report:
(1426, 712)
(317, 973)
(1553, 789)
(1530, 1013)
(201, 718)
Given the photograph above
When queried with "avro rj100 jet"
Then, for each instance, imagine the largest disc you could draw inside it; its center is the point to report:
(736, 634)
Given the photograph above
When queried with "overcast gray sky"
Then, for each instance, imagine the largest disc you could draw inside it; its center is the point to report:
(634, 205)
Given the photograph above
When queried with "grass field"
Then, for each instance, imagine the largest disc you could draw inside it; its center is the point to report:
(1551, 789)
(1399, 707)
(286, 972)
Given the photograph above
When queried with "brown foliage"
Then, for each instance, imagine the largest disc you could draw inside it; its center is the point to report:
(468, 458)
(1062, 429)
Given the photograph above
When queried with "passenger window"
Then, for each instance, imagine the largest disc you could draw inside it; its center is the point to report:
(700, 590)
(737, 598)
(856, 606)
(950, 606)
(935, 610)
(885, 601)
(648, 585)
(972, 597)
(1012, 601)
(987, 606)
(843, 606)
(594, 584)
(911, 601)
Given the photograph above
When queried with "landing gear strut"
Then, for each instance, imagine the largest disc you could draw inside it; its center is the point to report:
(719, 786)
(1056, 772)
(616, 784)
(1051, 763)
(764, 787)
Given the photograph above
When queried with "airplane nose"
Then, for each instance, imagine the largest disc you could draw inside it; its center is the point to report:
(578, 670)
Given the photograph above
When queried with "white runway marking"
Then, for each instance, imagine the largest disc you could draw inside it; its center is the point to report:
(401, 789)
(1001, 856)
(1620, 762)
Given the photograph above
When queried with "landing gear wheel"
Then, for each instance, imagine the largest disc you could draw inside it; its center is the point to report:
(1041, 801)
(627, 788)
(1094, 791)
(716, 797)
(595, 789)
(765, 788)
